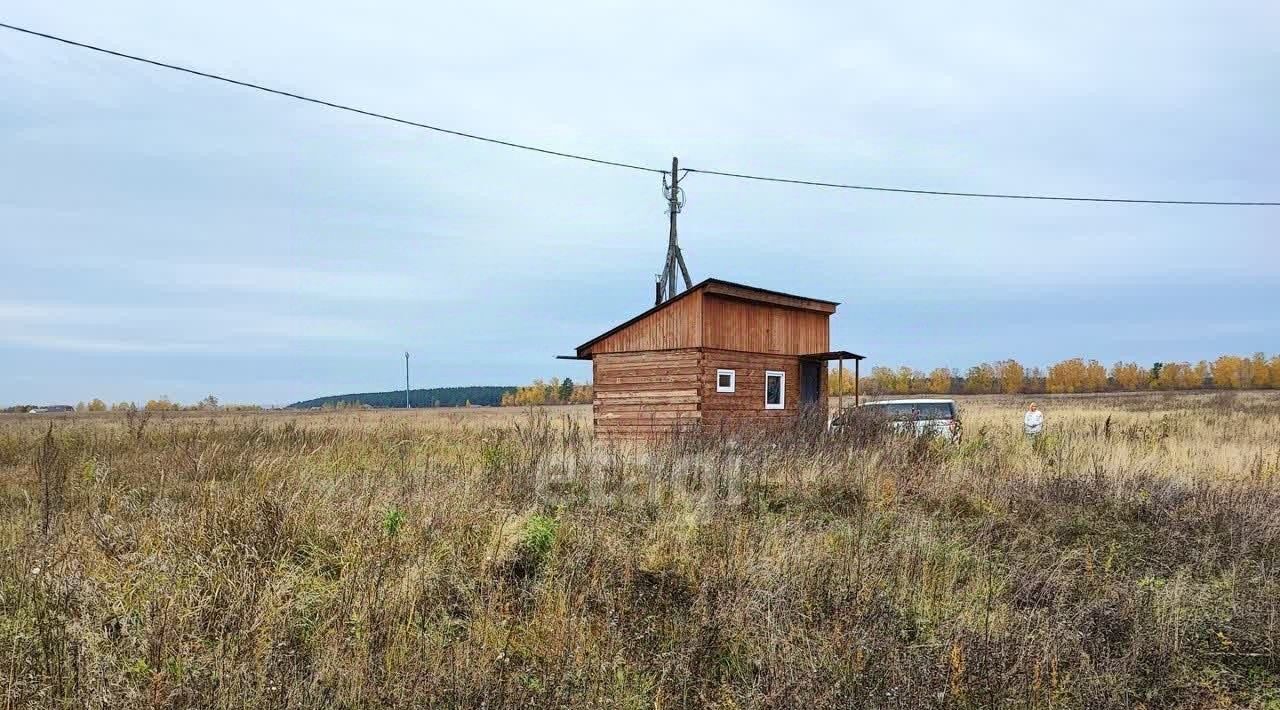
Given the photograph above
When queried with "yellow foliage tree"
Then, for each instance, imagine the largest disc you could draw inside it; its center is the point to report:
(940, 381)
(161, 405)
(841, 384)
(1011, 375)
(1095, 377)
(1176, 376)
(1227, 372)
(904, 380)
(980, 379)
(1130, 376)
(1066, 377)
(543, 392)
(1259, 371)
(882, 380)
(1201, 373)
(97, 405)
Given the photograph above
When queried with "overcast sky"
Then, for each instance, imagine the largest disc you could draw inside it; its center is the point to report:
(167, 235)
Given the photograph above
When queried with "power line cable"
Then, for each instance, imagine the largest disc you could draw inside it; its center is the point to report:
(330, 104)
(618, 164)
(993, 195)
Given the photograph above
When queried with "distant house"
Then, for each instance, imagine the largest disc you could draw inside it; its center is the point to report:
(719, 355)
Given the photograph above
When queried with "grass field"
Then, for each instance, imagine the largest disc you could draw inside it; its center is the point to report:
(500, 558)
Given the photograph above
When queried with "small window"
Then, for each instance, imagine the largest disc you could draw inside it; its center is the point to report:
(775, 389)
(726, 380)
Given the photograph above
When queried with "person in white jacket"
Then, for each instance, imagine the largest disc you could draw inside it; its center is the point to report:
(1033, 420)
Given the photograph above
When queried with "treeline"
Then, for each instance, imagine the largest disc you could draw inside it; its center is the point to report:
(163, 404)
(479, 396)
(553, 391)
(1228, 372)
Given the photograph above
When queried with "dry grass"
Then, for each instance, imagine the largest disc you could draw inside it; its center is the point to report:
(497, 558)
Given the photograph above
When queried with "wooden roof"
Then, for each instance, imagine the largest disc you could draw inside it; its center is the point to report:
(723, 289)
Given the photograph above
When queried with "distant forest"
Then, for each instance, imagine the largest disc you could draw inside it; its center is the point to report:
(487, 396)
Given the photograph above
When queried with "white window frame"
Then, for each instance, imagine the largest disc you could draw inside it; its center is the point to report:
(733, 380)
(782, 389)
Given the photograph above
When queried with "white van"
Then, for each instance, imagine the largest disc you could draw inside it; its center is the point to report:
(936, 417)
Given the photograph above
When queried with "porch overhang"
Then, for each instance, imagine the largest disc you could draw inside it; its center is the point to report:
(833, 355)
(841, 356)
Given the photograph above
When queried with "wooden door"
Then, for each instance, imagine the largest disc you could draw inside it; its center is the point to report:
(810, 382)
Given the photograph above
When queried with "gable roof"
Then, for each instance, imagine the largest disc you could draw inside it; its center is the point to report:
(727, 289)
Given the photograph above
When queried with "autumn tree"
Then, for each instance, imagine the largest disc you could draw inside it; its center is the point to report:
(1010, 375)
(1201, 373)
(531, 395)
(1130, 376)
(542, 392)
(97, 405)
(1066, 377)
(839, 382)
(1035, 381)
(902, 380)
(1187, 378)
(1259, 371)
(164, 404)
(940, 381)
(1176, 376)
(1095, 377)
(1227, 371)
(882, 380)
(980, 379)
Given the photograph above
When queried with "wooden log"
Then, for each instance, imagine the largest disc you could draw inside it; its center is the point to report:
(650, 407)
(691, 394)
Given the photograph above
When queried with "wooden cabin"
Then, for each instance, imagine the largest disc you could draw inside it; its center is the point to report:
(718, 356)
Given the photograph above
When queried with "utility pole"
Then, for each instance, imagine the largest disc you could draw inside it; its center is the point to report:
(666, 286)
(406, 381)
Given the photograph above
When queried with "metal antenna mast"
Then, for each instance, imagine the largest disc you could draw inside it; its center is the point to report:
(666, 282)
(406, 380)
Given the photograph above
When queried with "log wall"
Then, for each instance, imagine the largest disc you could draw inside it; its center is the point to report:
(745, 405)
(653, 394)
(645, 394)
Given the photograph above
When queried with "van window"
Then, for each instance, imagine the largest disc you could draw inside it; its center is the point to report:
(915, 410)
